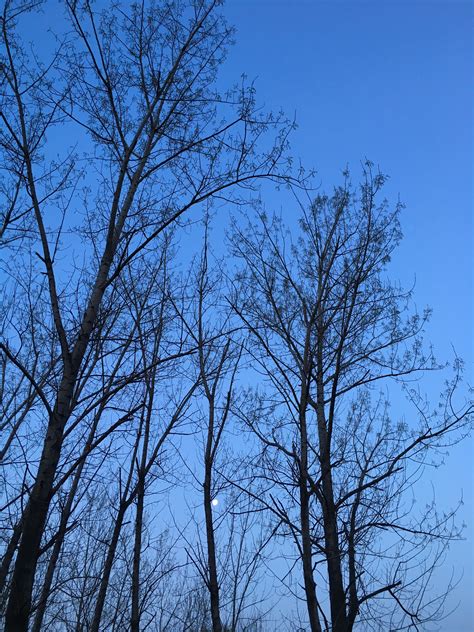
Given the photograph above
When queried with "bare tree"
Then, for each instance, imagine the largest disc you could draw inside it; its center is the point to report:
(136, 87)
(325, 327)
(214, 356)
(111, 367)
(228, 547)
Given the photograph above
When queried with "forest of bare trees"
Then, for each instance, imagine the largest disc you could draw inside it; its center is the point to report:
(192, 442)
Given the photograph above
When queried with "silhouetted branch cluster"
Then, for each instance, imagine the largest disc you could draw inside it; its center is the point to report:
(190, 443)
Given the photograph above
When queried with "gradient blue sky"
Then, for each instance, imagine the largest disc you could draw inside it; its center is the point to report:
(391, 81)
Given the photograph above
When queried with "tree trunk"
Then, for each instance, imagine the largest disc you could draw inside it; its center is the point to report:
(337, 596)
(309, 583)
(19, 604)
(34, 518)
(66, 513)
(306, 544)
(109, 561)
(137, 549)
(211, 551)
(207, 489)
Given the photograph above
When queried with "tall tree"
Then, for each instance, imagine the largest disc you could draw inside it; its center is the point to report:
(326, 327)
(135, 86)
(228, 548)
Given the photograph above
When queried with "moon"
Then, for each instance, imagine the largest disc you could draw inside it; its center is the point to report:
(214, 502)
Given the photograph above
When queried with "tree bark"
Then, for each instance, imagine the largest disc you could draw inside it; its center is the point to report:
(211, 545)
(308, 578)
(135, 615)
(66, 513)
(19, 604)
(307, 561)
(337, 596)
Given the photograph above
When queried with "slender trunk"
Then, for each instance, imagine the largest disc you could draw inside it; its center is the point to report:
(127, 496)
(211, 545)
(80, 610)
(140, 491)
(305, 524)
(46, 589)
(137, 548)
(337, 596)
(109, 561)
(211, 552)
(351, 554)
(308, 578)
(306, 545)
(353, 600)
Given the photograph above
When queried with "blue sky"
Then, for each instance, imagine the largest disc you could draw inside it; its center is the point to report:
(391, 81)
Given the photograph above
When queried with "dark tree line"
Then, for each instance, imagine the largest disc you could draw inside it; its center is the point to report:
(132, 372)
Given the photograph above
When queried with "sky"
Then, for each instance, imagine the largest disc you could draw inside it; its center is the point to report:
(390, 81)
